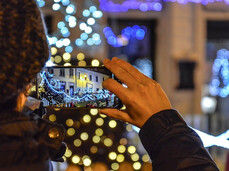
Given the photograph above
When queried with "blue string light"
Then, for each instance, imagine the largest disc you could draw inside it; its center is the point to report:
(109, 5)
(219, 85)
(127, 33)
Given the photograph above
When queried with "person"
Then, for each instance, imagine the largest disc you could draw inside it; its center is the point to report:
(27, 142)
(171, 144)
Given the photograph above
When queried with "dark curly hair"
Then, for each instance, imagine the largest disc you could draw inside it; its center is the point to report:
(23, 46)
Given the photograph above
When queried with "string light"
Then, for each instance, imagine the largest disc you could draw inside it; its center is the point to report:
(121, 148)
(94, 111)
(137, 165)
(135, 157)
(127, 5)
(75, 159)
(112, 155)
(108, 142)
(68, 153)
(136, 31)
(96, 139)
(131, 149)
(82, 63)
(71, 131)
(99, 121)
(145, 158)
(77, 142)
(87, 118)
(115, 166)
(219, 85)
(69, 122)
(93, 149)
(84, 136)
(95, 62)
(52, 118)
(120, 158)
(112, 123)
(99, 132)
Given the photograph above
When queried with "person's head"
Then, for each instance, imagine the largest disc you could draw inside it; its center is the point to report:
(23, 48)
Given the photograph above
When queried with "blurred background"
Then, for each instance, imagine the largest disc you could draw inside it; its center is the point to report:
(183, 44)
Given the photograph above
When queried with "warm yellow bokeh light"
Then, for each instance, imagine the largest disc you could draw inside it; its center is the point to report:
(137, 165)
(108, 142)
(67, 64)
(87, 118)
(99, 132)
(75, 159)
(96, 139)
(135, 157)
(82, 63)
(121, 148)
(103, 116)
(87, 162)
(57, 109)
(120, 158)
(57, 59)
(94, 149)
(145, 158)
(52, 118)
(67, 57)
(80, 56)
(77, 142)
(69, 122)
(112, 155)
(68, 153)
(84, 136)
(94, 111)
(71, 131)
(112, 124)
(99, 121)
(95, 62)
(129, 128)
(53, 51)
(131, 149)
(115, 166)
(123, 141)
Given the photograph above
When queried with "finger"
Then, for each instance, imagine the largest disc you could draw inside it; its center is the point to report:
(116, 88)
(116, 114)
(131, 70)
(119, 72)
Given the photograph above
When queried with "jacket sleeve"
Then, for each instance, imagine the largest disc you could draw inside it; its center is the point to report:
(173, 146)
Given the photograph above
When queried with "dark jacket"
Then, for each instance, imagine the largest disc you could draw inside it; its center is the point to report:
(28, 143)
(173, 145)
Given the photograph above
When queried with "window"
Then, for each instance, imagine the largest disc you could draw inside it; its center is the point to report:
(96, 79)
(62, 72)
(50, 70)
(90, 77)
(78, 74)
(71, 72)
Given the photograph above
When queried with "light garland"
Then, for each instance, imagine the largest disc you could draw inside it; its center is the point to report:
(219, 85)
(87, 25)
(136, 31)
(110, 6)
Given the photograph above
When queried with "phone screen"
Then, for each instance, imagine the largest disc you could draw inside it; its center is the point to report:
(75, 87)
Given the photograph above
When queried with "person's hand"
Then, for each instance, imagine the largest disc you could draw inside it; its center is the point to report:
(143, 96)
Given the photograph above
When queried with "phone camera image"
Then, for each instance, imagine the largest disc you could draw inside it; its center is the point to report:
(75, 87)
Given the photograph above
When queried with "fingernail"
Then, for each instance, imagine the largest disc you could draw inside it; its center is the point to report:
(114, 59)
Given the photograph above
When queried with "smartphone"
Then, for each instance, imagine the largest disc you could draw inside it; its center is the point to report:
(75, 87)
